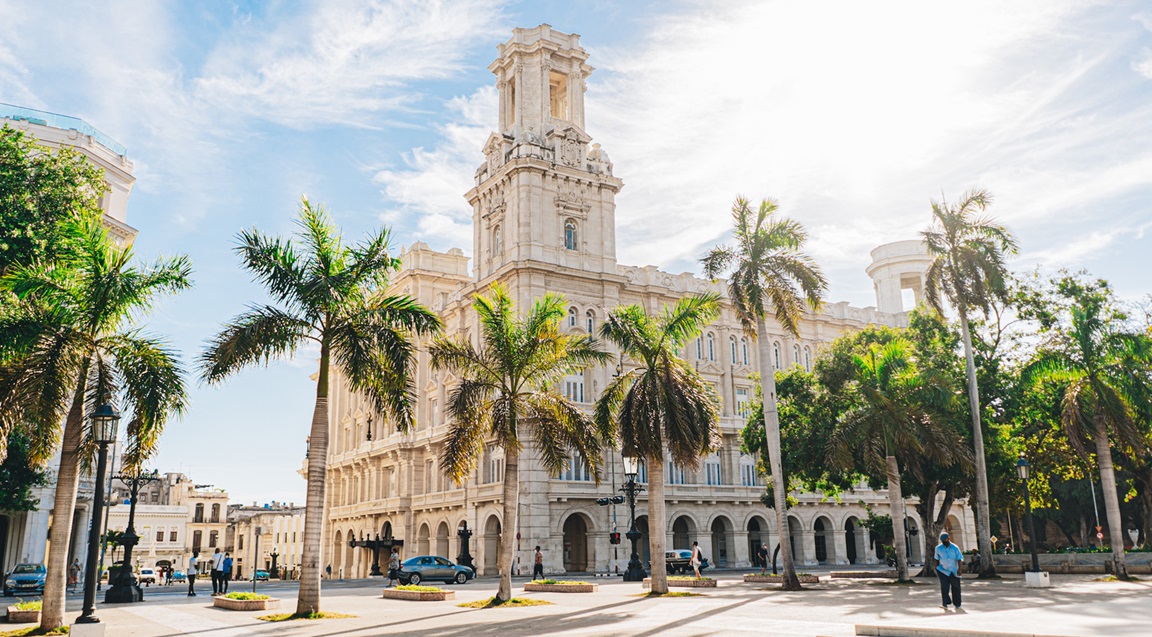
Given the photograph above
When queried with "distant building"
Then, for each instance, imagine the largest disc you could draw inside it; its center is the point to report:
(24, 534)
(280, 528)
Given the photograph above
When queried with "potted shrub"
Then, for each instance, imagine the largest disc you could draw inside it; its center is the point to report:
(24, 612)
(685, 581)
(414, 593)
(560, 586)
(245, 601)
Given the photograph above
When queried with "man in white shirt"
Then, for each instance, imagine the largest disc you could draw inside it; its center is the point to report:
(217, 572)
(192, 566)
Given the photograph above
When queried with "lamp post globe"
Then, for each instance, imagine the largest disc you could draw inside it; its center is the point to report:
(104, 420)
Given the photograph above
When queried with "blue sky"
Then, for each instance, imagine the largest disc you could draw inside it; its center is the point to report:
(852, 114)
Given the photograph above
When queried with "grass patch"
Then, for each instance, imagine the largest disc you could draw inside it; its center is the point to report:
(420, 589)
(493, 602)
(31, 605)
(562, 582)
(247, 596)
(285, 617)
(34, 630)
(684, 578)
(671, 594)
(1113, 578)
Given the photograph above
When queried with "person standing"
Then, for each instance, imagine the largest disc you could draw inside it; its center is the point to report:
(538, 565)
(393, 567)
(762, 555)
(328, 569)
(74, 575)
(226, 575)
(697, 559)
(193, 563)
(949, 557)
(217, 570)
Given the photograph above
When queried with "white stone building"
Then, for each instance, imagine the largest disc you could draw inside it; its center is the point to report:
(280, 527)
(24, 534)
(544, 221)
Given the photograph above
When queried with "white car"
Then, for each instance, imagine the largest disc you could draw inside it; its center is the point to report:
(147, 576)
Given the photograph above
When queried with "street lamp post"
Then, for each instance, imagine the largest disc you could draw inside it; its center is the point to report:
(635, 572)
(1034, 578)
(104, 420)
(125, 590)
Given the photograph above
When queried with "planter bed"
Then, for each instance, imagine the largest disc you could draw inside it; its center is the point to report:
(684, 583)
(562, 588)
(23, 616)
(228, 603)
(419, 596)
(779, 579)
(863, 574)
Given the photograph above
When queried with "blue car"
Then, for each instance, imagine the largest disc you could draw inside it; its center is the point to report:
(25, 579)
(432, 567)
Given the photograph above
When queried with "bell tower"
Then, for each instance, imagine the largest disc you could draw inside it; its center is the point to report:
(543, 194)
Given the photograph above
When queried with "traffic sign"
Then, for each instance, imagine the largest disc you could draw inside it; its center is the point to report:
(1099, 535)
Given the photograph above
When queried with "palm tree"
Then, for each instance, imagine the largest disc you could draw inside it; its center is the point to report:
(1092, 362)
(508, 383)
(969, 272)
(663, 403)
(330, 295)
(768, 268)
(891, 422)
(74, 345)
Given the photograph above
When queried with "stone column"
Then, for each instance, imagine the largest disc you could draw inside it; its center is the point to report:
(739, 554)
(806, 548)
(839, 545)
(864, 547)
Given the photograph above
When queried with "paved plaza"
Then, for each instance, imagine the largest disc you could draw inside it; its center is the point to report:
(1076, 606)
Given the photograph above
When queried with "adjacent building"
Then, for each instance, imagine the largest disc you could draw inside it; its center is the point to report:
(544, 218)
(267, 537)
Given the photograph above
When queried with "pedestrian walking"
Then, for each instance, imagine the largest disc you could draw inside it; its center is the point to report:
(217, 571)
(74, 575)
(538, 564)
(193, 563)
(393, 567)
(949, 557)
(226, 574)
(328, 569)
(762, 555)
(697, 559)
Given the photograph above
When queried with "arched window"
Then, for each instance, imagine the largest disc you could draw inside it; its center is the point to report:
(776, 354)
(732, 348)
(807, 359)
(496, 240)
(744, 350)
(711, 347)
(198, 516)
(570, 234)
(699, 349)
(571, 317)
(590, 318)
(215, 514)
(796, 354)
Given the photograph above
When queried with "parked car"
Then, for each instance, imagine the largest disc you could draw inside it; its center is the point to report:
(25, 579)
(433, 567)
(680, 561)
(261, 576)
(147, 576)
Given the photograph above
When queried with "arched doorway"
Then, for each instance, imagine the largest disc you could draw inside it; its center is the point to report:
(721, 527)
(682, 532)
(915, 542)
(643, 546)
(442, 548)
(795, 540)
(424, 540)
(491, 545)
(386, 530)
(337, 555)
(575, 544)
(756, 537)
(825, 549)
(851, 537)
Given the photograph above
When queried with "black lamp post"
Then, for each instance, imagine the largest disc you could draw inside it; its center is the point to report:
(274, 571)
(104, 421)
(125, 590)
(1022, 471)
(635, 572)
(465, 557)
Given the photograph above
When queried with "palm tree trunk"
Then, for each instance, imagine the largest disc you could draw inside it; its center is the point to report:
(308, 598)
(983, 531)
(772, 433)
(507, 553)
(1111, 500)
(657, 525)
(63, 509)
(896, 502)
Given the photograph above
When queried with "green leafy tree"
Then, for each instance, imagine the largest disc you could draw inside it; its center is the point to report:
(19, 475)
(39, 189)
(507, 389)
(969, 272)
(891, 421)
(661, 403)
(75, 344)
(331, 295)
(769, 269)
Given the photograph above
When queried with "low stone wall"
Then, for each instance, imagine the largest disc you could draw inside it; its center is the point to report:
(779, 579)
(419, 596)
(863, 574)
(1072, 563)
(227, 603)
(561, 588)
(684, 583)
(23, 616)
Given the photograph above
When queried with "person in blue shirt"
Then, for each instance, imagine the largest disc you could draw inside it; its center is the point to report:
(949, 557)
(226, 576)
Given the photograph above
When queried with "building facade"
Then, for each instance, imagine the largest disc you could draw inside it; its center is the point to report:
(544, 221)
(280, 529)
(24, 534)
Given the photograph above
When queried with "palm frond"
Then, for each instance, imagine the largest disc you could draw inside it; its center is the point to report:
(258, 336)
